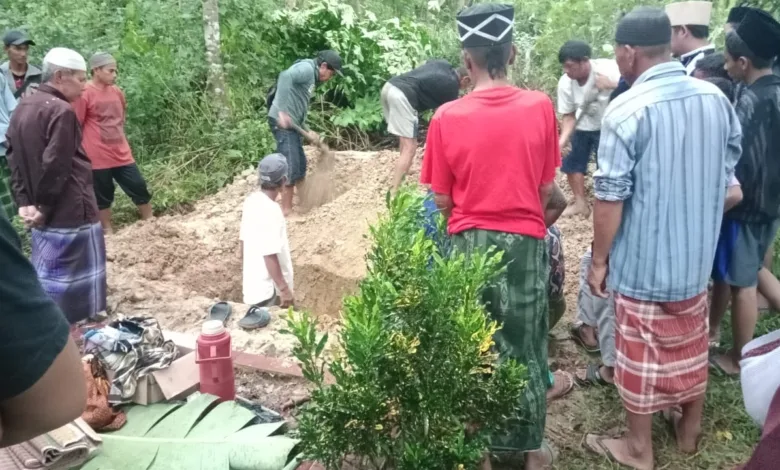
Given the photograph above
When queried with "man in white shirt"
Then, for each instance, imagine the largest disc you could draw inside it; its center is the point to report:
(690, 31)
(268, 270)
(583, 95)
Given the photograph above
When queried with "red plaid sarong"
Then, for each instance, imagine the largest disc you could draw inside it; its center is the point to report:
(661, 352)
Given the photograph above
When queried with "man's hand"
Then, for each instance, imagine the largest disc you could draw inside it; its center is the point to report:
(284, 121)
(31, 216)
(565, 146)
(605, 83)
(286, 298)
(597, 276)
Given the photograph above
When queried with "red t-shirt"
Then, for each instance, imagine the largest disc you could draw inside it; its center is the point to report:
(101, 112)
(490, 151)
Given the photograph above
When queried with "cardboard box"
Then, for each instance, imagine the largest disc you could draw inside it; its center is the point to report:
(175, 382)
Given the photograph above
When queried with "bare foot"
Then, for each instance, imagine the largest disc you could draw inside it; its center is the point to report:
(727, 363)
(542, 459)
(714, 340)
(687, 442)
(580, 208)
(619, 450)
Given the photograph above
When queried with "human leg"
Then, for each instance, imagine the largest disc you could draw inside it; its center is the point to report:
(289, 144)
(401, 118)
(132, 182)
(721, 296)
(768, 285)
(604, 310)
(103, 183)
(584, 331)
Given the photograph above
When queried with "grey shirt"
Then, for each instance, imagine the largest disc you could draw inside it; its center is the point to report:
(32, 79)
(294, 90)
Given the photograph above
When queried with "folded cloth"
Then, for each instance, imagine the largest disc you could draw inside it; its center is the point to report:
(61, 449)
(98, 413)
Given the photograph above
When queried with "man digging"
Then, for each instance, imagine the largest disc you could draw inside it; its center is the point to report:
(403, 97)
(583, 95)
(101, 113)
(289, 107)
(498, 202)
(660, 190)
(23, 77)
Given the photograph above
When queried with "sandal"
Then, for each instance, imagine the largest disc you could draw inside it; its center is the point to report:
(220, 311)
(256, 317)
(718, 369)
(592, 378)
(576, 334)
(560, 377)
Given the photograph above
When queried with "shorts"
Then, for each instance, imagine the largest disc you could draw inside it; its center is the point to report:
(583, 144)
(289, 144)
(399, 114)
(739, 255)
(129, 179)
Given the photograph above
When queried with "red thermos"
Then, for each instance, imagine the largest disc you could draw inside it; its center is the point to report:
(215, 360)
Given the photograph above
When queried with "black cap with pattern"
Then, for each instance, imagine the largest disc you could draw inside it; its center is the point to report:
(486, 24)
(761, 33)
(644, 27)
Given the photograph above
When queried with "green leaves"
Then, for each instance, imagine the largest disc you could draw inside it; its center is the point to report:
(415, 366)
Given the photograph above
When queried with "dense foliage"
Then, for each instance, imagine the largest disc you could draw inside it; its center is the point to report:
(416, 380)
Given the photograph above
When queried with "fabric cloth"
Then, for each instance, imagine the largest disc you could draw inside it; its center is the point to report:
(759, 375)
(128, 177)
(583, 145)
(740, 252)
(429, 85)
(758, 108)
(662, 352)
(597, 312)
(672, 206)
(98, 413)
(486, 24)
(518, 301)
(8, 208)
(264, 233)
(289, 144)
(64, 448)
(49, 168)
(7, 106)
(692, 58)
(101, 113)
(767, 452)
(644, 26)
(101, 59)
(65, 58)
(294, 89)
(586, 101)
(34, 329)
(27, 85)
(272, 169)
(500, 193)
(399, 114)
(557, 300)
(71, 265)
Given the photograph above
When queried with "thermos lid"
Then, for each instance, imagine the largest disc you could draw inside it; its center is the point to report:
(212, 327)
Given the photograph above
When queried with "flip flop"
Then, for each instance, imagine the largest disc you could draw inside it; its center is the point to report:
(575, 335)
(593, 377)
(220, 311)
(718, 369)
(256, 317)
(564, 377)
(595, 444)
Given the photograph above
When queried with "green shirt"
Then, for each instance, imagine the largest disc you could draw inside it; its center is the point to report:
(293, 91)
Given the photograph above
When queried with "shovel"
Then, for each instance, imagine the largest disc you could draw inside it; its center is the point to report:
(318, 188)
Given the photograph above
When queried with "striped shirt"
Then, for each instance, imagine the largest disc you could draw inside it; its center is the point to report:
(668, 149)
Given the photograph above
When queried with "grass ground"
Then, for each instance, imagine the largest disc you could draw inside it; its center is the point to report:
(729, 434)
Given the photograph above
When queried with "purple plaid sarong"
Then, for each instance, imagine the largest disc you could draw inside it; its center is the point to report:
(71, 266)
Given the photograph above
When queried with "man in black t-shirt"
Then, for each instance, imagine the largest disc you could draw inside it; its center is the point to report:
(403, 97)
(42, 384)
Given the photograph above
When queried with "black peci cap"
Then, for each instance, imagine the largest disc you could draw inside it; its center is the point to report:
(486, 24)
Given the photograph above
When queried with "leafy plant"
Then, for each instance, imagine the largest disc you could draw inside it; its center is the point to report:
(416, 382)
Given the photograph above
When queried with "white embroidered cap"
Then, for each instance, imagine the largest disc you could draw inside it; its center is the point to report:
(689, 13)
(65, 58)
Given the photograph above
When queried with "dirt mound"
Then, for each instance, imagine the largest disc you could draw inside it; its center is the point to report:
(175, 267)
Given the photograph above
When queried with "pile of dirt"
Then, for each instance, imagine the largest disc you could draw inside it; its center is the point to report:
(174, 267)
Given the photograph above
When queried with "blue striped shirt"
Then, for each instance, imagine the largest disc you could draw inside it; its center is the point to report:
(668, 148)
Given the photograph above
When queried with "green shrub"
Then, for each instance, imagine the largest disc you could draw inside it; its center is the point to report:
(417, 385)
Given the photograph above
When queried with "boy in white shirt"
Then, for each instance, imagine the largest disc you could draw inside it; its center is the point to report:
(583, 95)
(268, 270)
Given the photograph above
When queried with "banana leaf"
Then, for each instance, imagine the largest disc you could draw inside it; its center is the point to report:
(193, 436)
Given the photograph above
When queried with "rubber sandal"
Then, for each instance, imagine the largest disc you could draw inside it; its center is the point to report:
(220, 311)
(575, 335)
(595, 444)
(713, 360)
(593, 377)
(256, 317)
(561, 376)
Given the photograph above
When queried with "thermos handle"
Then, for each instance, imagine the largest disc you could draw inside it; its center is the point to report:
(198, 359)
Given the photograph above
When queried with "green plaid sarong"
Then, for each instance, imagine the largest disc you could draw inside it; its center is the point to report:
(7, 204)
(518, 300)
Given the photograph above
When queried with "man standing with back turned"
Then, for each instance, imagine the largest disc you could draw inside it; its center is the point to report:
(52, 184)
(492, 175)
(668, 148)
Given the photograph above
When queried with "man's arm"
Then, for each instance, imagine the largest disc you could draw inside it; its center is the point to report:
(555, 206)
(567, 108)
(57, 159)
(274, 268)
(568, 123)
(733, 197)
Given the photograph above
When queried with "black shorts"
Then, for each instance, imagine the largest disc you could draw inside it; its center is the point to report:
(129, 179)
(583, 145)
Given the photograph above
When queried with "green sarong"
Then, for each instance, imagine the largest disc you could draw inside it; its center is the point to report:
(7, 205)
(518, 301)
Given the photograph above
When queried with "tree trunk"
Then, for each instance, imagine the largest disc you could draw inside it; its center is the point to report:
(216, 73)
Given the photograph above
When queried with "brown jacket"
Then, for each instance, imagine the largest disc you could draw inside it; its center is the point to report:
(49, 168)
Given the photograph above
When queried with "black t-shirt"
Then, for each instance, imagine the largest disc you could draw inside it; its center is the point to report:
(33, 330)
(429, 85)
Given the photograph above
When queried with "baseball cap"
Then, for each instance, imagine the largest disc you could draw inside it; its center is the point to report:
(272, 169)
(17, 38)
(333, 59)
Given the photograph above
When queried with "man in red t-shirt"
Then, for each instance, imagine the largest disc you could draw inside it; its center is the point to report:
(101, 112)
(491, 159)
